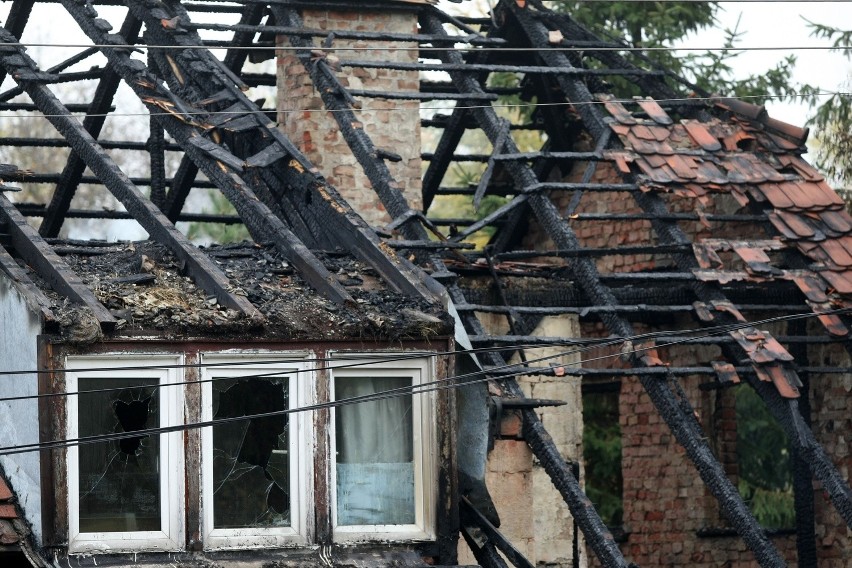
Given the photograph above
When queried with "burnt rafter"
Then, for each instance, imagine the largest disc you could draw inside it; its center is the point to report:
(40, 256)
(234, 60)
(677, 414)
(35, 298)
(335, 98)
(197, 72)
(779, 397)
(263, 224)
(93, 123)
(201, 268)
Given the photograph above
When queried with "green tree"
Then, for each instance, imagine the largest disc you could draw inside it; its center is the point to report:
(832, 117)
(650, 25)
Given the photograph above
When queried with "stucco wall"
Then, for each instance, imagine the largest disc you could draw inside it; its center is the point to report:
(534, 516)
(19, 419)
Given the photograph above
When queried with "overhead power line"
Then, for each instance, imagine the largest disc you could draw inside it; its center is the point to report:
(684, 99)
(461, 40)
(440, 384)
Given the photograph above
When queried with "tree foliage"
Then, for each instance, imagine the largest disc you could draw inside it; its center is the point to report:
(651, 25)
(765, 474)
(602, 455)
(832, 118)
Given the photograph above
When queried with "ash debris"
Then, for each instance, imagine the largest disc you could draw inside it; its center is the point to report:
(144, 286)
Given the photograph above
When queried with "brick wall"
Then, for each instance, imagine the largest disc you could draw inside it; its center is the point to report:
(392, 124)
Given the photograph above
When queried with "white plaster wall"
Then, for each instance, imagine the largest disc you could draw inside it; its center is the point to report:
(19, 419)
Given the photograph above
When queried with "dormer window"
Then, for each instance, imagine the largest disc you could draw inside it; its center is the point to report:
(124, 494)
(360, 472)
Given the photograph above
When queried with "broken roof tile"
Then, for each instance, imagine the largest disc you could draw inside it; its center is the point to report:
(737, 140)
(654, 111)
(776, 374)
(801, 167)
(840, 281)
(725, 372)
(617, 110)
(701, 135)
(755, 258)
(839, 220)
(706, 256)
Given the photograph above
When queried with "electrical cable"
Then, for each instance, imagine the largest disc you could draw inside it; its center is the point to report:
(440, 384)
(461, 39)
(685, 99)
(366, 359)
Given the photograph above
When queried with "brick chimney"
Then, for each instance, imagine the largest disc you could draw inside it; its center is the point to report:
(392, 124)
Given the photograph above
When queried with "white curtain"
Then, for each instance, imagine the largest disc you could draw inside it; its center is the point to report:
(375, 453)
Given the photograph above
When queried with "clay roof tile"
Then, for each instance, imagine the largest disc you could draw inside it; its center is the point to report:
(702, 136)
(654, 111)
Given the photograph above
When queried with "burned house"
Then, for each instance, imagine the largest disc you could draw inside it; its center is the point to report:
(359, 383)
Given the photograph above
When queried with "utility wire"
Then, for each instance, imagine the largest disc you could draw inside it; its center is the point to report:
(366, 359)
(440, 384)
(421, 108)
(461, 39)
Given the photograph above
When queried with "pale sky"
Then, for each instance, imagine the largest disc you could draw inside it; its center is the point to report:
(771, 24)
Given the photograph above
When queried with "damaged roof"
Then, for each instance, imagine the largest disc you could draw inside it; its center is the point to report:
(711, 214)
(8, 515)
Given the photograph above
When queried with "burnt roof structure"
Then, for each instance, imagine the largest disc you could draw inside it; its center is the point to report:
(718, 219)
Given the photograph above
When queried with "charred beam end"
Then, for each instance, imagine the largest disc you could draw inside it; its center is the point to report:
(40, 256)
(201, 268)
(34, 298)
(471, 515)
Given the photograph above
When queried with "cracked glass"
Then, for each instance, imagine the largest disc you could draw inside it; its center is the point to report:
(119, 480)
(375, 453)
(251, 460)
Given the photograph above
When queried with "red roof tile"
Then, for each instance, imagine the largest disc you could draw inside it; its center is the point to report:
(617, 110)
(655, 111)
(839, 221)
(702, 136)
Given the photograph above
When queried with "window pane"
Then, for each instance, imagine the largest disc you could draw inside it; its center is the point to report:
(375, 454)
(119, 480)
(251, 462)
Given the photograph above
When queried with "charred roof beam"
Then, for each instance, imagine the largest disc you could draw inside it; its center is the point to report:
(29, 245)
(93, 123)
(784, 410)
(201, 268)
(677, 413)
(234, 60)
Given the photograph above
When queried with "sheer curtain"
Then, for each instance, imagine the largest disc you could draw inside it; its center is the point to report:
(375, 453)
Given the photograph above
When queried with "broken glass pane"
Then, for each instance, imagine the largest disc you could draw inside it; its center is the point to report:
(375, 453)
(119, 484)
(251, 462)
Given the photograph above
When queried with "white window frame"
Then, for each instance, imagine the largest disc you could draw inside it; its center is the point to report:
(421, 370)
(240, 364)
(171, 406)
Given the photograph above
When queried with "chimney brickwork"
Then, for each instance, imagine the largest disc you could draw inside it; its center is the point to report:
(393, 125)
